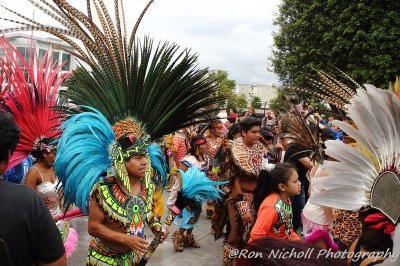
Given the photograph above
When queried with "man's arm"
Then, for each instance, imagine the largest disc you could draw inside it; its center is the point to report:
(120, 242)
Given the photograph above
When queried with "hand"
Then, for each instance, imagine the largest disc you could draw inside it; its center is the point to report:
(137, 244)
(247, 218)
(164, 234)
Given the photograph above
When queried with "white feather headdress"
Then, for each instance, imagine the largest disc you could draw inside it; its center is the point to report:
(359, 181)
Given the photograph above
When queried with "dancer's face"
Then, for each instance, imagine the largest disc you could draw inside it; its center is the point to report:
(218, 130)
(136, 166)
(202, 149)
(252, 136)
(50, 157)
(293, 186)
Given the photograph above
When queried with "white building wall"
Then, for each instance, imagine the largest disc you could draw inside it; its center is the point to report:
(265, 92)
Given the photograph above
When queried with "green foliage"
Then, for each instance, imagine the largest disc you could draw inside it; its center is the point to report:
(256, 102)
(226, 87)
(280, 104)
(358, 37)
(241, 102)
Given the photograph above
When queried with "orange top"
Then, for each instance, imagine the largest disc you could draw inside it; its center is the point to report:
(274, 219)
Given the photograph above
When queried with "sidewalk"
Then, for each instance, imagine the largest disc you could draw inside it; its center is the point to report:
(210, 252)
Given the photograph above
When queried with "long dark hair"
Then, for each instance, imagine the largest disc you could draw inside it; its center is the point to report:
(268, 182)
(38, 154)
(235, 129)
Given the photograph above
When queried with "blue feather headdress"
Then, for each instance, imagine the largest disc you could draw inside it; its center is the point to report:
(158, 163)
(83, 156)
(196, 185)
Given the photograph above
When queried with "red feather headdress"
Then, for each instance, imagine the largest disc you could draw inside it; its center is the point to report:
(30, 94)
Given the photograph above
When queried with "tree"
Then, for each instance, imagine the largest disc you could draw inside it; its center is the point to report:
(241, 102)
(256, 102)
(227, 86)
(280, 104)
(359, 37)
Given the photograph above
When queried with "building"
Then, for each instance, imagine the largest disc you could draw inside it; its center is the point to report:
(265, 92)
(25, 43)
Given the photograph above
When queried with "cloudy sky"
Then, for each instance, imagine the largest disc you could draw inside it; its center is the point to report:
(232, 35)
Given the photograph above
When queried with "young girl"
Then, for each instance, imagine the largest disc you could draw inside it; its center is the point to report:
(197, 159)
(272, 203)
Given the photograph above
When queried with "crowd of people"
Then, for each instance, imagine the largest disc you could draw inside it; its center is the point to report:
(269, 178)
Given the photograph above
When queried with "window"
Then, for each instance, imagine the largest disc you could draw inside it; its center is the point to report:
(26, 53)
(56, 58)
(67, 59)
(42, 52)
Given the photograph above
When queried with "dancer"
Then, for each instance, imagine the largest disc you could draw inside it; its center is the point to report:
(196, 158)
(241, 167)
(318, 220)
(215, 138)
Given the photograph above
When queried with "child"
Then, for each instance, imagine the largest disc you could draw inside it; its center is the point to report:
(271, 201)
(197, 159)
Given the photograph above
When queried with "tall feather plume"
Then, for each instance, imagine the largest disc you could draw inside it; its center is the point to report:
(158, 85)
(158, 163)
(330, 88)
(30, 96)
(299, 132)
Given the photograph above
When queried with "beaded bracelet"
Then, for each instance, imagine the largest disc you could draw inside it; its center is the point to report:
(243, 207)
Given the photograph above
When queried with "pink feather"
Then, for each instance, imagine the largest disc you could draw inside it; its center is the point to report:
(71, 242)
(324, 235)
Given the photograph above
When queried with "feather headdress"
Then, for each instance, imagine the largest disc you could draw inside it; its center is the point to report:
(331, 89)
(158, 163)
(298, 130)
(370, 178)
(87, 141)
(30, 95)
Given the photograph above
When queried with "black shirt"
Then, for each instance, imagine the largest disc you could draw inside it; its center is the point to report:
(27, 226)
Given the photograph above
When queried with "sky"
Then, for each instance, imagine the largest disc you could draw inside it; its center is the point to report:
(231, 35)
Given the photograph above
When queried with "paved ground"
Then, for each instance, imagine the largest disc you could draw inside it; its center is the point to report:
(210, 252)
